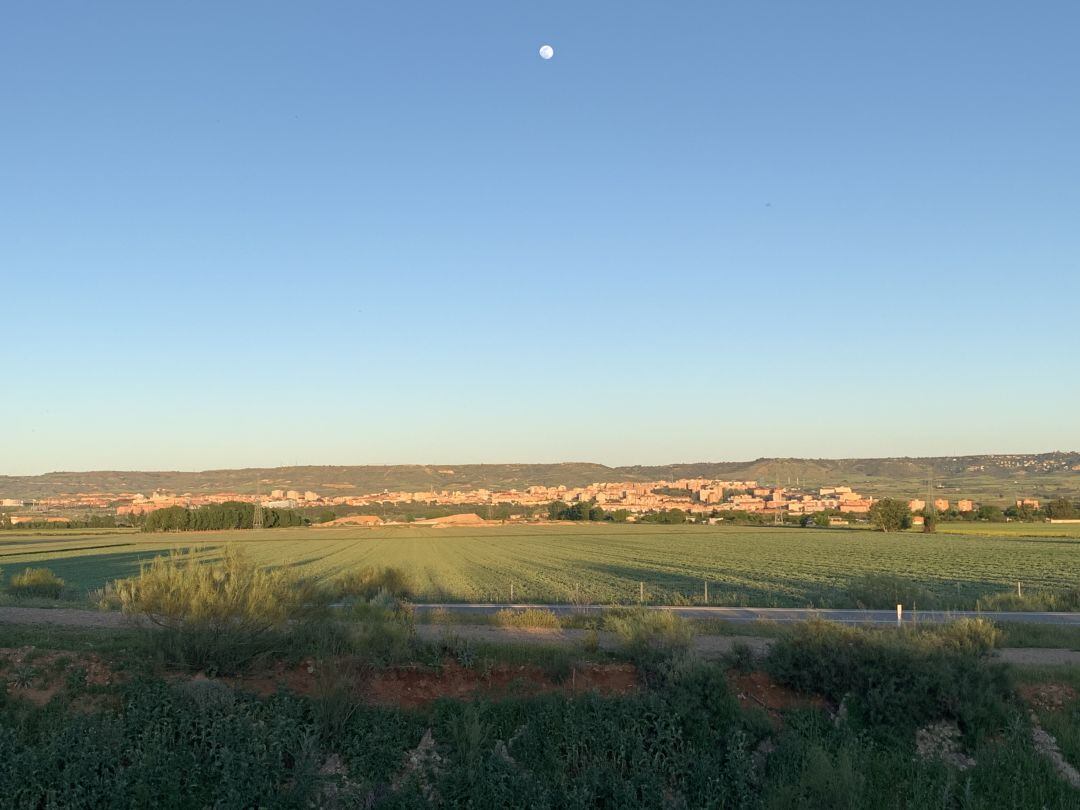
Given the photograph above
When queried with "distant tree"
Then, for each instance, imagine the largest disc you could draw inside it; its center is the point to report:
(990, 513)
(557, 510)
(617, 515)
(325, 516)
(1022, 512)
(1061, 509)
(666, 516)
(930, 519)
(821, 519)
(890, 515)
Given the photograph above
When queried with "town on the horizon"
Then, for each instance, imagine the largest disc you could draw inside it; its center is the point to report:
(700, 498)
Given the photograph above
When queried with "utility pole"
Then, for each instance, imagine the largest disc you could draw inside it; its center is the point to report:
(257, 515)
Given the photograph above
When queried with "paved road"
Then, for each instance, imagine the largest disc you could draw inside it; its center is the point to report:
(789, 615)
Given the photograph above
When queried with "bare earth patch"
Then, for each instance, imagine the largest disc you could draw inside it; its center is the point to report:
(758, 689)
(411, 687)
(39, 675)
(1052, 697)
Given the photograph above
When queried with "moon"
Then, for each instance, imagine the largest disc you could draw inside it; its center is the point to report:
(546, 52)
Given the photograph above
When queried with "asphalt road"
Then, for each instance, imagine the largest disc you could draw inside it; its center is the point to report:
(788, 615)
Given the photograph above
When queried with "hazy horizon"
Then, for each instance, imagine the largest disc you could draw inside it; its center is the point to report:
(460, 463)
(252, 234)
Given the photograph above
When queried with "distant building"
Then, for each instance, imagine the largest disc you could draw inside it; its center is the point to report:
(941, 504)
(916, 504)
(1032, 503)
(965, 505)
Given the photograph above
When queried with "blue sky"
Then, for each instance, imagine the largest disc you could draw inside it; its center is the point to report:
(270, 233)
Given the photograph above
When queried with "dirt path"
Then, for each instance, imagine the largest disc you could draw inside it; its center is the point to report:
(66, 617)
(709, 647)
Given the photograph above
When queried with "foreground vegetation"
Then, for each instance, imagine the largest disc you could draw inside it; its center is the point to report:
(156, 717)
(611, 563)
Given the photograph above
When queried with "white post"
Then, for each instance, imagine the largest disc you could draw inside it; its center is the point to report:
(706, 592)
(1018, 592)
(899, 615)
(641, 592)
(511, 591)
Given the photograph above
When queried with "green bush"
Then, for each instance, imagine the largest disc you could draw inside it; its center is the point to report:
(896, 679)
(530, 617)
(220, 615)
(39, 582)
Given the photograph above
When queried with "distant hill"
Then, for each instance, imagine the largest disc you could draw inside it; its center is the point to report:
(991, 477)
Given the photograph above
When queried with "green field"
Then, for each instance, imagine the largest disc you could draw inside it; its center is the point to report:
(601, 563)
(1015, 529)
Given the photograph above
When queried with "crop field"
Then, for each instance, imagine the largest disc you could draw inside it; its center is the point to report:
(599, 563)
(1065, 530)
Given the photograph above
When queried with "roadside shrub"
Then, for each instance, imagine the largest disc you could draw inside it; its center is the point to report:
(901, 680)
(1063, 601)
(39, 582)
(220, 615)
(105, 597)
(886, 591)
(530, 617)
(740, 658)
(365, 583)
(642, 630)
(974, 636)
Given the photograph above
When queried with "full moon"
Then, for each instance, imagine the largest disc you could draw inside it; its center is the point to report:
(546, 52)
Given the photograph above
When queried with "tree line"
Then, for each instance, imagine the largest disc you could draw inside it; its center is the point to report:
(218, 516)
